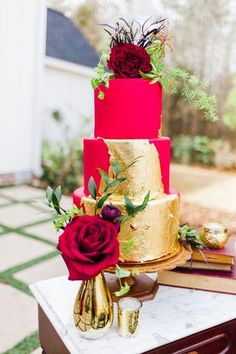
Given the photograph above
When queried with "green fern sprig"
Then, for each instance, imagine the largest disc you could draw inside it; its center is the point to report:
(192, 88)
(194, 92)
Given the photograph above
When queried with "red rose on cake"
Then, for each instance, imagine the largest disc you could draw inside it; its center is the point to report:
(128, 59)
(88, 245)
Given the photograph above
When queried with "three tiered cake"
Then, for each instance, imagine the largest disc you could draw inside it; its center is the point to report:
(127, 128)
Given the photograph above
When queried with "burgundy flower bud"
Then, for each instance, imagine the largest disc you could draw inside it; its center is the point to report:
(111, 213)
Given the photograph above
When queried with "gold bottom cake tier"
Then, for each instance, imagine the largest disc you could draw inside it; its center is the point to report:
(150, 234)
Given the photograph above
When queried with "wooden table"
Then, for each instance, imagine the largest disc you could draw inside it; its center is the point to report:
(178, 321)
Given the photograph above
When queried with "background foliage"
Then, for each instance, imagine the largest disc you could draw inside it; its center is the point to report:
(62, 165)
(62, 162)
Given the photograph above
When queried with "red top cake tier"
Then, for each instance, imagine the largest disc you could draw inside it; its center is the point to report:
(131, 109)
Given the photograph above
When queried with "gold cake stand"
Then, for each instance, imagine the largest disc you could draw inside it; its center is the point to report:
(142, 286)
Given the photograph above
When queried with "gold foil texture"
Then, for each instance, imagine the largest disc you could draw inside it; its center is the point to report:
(141, 177)
(152, 233)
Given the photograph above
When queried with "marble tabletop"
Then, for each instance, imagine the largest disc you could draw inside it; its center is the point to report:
(174, 313)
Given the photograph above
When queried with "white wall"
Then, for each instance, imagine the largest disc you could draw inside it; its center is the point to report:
(67, 89)
(31, 87)
(22, 33)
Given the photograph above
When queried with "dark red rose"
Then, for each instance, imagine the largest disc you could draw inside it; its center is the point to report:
(128, 59)
(88, 245)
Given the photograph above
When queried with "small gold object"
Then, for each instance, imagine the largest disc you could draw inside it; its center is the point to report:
(93, 308)
(214, 235)
(128, 316)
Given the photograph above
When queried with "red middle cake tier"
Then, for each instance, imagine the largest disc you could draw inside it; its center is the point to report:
(96, 156)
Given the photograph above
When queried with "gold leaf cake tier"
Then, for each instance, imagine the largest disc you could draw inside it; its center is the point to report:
(152, 233)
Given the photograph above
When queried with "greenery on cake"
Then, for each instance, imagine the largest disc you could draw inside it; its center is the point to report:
(138, 51)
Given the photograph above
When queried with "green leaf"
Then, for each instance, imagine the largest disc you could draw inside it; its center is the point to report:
(131, 209)
(164, 84)
(105, 57)
(129, 245)
(49, 193)
(141, 207)
(147, 76)
(146, 198)
(138, 209)
(122, 273)
(102, 200)
(56, 203)
(115, 166)
(134, 273)
(157, 79)
(58, 193)
(59, 223)
(123, 218)
(115, 183)
(101, 95)
(130, 164)
(95, 82)
(74, 210)
(92, 187)
(63, 219)
(189, 235)
(80, 212)
(129, 205)
(124, 289)
(104, 175)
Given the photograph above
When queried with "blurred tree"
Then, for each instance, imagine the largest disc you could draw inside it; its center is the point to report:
(86, 16)
(64, 6)
(89, 15)
(204, 42)
(229, 115)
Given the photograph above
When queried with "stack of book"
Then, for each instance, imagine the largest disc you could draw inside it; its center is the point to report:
(215, 271)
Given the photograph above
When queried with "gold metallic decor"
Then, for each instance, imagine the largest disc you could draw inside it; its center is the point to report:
(152, 233)
(128, 316)
(214, 235)
(141, 177)
(93, 308)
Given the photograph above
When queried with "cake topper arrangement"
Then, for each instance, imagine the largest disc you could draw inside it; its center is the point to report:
(137, 51)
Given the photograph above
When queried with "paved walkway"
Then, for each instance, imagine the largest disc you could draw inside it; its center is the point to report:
(28, 240)
(207, 195)
(27, 254)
